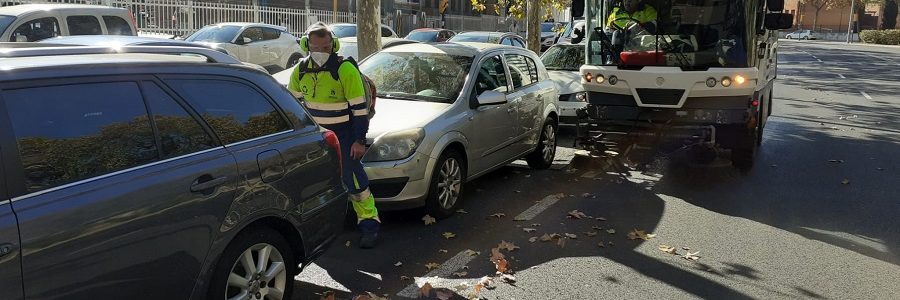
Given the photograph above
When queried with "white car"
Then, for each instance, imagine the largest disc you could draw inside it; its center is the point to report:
(342, 30)
(801, 35)
(266, 45)
(562, 62)
(35, 22)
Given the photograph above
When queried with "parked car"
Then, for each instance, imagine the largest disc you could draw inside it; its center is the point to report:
(266, 45)
(549, 32)
(448, 113)
(342, 30)
(157, 176)
(430, 35)
(563, 62)
(504, 38)
(35, 22)
(801, 35)
(349, 48)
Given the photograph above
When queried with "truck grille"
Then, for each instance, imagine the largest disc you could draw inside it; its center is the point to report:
(660, 96)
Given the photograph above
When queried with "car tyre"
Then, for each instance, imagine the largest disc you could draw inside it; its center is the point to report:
(446, 185)
(237, 271)
(543, 155)
(294, 60)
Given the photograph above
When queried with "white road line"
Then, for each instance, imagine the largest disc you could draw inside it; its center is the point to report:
(819, 60)
(537, 208)
(446, 269)
(866, 95)
(841, 76)
(815, 57)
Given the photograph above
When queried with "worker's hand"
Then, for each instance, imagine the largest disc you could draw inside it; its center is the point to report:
(357, 151)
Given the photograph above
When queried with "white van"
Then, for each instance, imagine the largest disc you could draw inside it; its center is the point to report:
(34, 22)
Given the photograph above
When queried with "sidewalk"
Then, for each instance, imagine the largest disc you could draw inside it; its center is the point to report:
(824, 42)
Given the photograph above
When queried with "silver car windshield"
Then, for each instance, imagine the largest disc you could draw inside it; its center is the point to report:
(564, 57)
(215, 34)
(431, 77)
(342, 31)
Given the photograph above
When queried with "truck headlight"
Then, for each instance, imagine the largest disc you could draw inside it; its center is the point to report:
(395, 145)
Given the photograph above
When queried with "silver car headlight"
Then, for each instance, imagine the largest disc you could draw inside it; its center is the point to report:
(579, 97)
(395, 145)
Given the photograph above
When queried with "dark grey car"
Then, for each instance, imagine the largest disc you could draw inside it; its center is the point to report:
(157, 176)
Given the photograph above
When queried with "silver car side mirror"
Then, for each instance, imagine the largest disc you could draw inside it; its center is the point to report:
(491, 97)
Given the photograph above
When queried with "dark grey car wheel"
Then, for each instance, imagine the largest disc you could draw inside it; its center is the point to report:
(258, 264)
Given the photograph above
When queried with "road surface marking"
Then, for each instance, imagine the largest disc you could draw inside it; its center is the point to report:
(537, 208)
(446, 270)
(819, 60)
(815, 57)
(316, 275)
(866, 95)
(841, 76)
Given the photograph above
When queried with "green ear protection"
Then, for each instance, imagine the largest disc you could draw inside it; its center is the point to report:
(304, 44)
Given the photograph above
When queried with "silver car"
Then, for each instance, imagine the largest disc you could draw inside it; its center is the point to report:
(451, 112)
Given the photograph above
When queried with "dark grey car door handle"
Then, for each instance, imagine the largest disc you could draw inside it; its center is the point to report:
(202, 186)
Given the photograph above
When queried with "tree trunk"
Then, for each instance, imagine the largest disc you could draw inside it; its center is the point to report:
(816, 19)
(533, 21)
(368, 22)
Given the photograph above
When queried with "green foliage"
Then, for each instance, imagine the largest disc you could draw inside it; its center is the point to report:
(884, 37)
(517, 7)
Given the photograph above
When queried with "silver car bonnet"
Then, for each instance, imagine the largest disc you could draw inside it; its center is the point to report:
(392, 115)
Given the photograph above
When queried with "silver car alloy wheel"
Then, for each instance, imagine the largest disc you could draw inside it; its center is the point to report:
(259, 273)
(549, 142)
(449, 183)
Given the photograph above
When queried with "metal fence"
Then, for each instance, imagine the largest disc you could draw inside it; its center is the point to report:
(183, 17)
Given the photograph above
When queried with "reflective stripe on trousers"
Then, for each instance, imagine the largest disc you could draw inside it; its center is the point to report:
(356, 181)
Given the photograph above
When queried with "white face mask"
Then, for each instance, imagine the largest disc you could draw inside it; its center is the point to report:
(320, 57)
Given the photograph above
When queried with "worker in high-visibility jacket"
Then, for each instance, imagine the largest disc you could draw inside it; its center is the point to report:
(333, 92)
(630, 12)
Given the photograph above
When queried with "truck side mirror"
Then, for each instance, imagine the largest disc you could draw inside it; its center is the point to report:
(775, 5)
(778, 21)
(577, 8)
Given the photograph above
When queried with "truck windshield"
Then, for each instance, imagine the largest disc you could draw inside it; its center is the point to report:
(692, 35)
(5, 21)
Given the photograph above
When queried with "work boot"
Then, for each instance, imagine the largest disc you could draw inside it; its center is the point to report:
(368, 230)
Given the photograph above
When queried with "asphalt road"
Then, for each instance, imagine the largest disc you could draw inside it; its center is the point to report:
(816, 218)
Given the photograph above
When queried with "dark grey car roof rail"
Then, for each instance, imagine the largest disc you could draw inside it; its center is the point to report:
(212, 56)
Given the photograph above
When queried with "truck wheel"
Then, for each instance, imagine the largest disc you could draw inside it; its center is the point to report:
(543, 155)
(446, 184)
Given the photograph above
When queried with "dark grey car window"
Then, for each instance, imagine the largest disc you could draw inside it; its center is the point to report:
(235, 111)
(68, 133)
(518, 70)
(37, 29)
(179, 132)
(491, 76)
(117, 26)
(255, 34)
(271, 34)
(532, 69)
(83, 25)
(386, 32)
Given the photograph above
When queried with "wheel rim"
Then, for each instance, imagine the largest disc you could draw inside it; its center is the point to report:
(449, 183)
(549, 143)
(259, 273)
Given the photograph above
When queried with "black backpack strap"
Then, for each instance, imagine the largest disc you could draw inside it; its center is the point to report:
(303, 68)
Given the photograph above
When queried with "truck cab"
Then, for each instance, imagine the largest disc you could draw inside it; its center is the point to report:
(701, 71)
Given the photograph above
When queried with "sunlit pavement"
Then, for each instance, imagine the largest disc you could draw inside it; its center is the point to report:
(816, 218)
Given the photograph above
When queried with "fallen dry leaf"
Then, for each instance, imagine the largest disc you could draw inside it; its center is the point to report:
(571, 236)
(432, 266)
(546, 238)
(536, 225)
(575, 214)
(506, 278)
(529, 230)
(590, 233)
(499, 260)
(496, 254)
(469, 252)
(532, 239)
(347, 244)
(369, 296)
(404, 278)
(460, 274)
(443, 250)
(498, 215)
(601, 219)
(449, 235)
(668, 249)
(327, 295)
(836, 160)
(685, 248)
(399, 263)
(428, 219)
(611, 244)
(561, 243)
(507, 246)
(845, 181)
(425, 290)
(601, 245)
(611, 231)
(596, 228)
(640, 234)
(586, 195)
(691, 255)
(461, 211)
